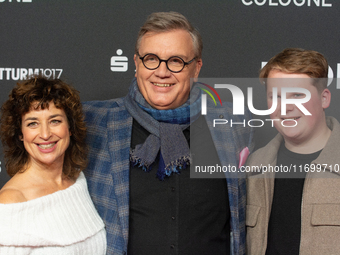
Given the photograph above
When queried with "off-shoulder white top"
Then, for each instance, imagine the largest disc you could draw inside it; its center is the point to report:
(65, 222)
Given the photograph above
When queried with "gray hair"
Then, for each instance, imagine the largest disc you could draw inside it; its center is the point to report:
(165, 21)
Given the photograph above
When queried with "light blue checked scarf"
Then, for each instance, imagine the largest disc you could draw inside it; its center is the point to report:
(166, 132)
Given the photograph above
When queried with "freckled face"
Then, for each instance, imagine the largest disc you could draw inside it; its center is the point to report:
(46, 135)
(161, 88)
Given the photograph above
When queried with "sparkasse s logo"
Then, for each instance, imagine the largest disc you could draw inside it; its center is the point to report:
(119, 63)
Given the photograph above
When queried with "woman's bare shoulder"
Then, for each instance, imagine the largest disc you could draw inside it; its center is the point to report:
(13, 191)
(11, 195)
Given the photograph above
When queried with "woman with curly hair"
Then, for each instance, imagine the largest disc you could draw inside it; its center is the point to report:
(45, 208)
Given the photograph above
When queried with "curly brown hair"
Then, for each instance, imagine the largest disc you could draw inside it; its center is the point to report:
(40, 91)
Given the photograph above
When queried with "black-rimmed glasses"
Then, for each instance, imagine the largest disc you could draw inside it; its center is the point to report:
(174, 64)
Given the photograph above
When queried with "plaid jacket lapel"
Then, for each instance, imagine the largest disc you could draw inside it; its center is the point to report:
(229, 142)
(109, 132)
(119, 140)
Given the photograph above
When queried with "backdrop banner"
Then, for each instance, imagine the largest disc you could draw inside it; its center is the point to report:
(90, 44)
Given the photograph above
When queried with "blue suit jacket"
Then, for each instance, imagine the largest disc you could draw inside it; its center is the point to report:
(109, 138)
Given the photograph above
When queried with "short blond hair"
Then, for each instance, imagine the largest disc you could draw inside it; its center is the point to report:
(300, 61)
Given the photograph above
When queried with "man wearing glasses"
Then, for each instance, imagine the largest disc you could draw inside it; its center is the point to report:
(138, 174)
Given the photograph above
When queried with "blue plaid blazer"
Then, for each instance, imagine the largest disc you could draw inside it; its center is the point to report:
(109, 137)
